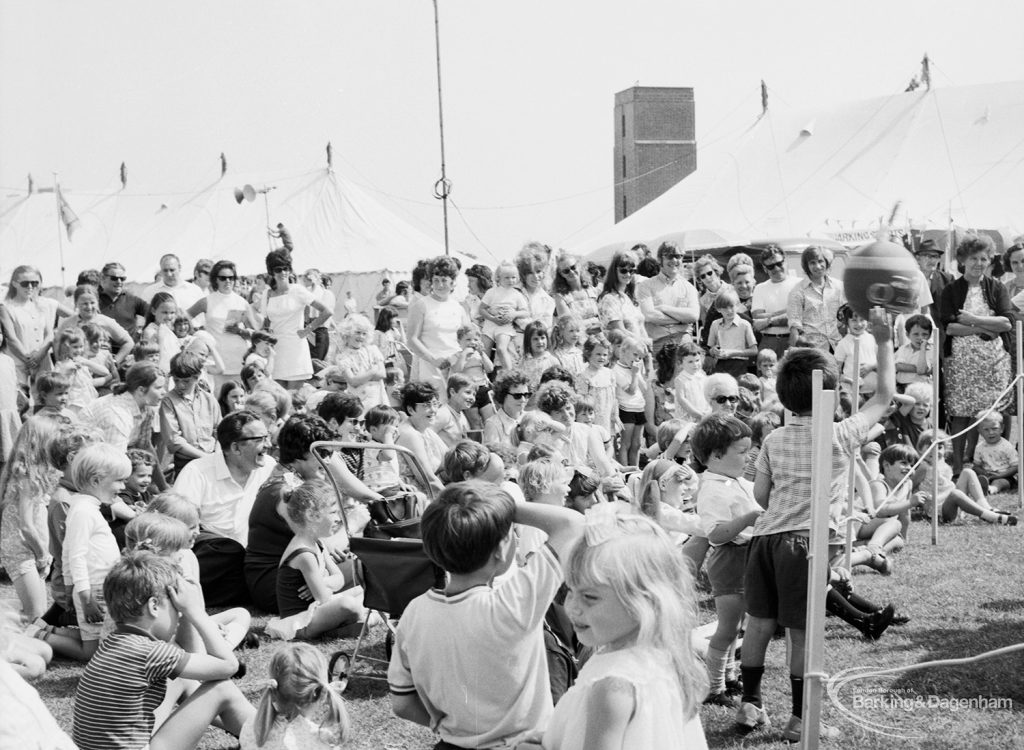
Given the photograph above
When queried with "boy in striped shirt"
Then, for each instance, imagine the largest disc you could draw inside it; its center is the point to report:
(126, 680)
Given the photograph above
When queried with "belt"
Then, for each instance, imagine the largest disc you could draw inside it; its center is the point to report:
(776, 335)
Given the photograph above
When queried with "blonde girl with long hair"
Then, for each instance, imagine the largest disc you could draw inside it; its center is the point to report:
(299, 707)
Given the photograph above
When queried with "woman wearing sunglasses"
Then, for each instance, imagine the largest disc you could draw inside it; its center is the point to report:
(617, 304)
(229, 319)
(722, 392)
(573, 293)
(707, 274)
(28, 324)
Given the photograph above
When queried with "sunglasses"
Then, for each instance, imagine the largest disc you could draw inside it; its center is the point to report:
(520, 395)
(773, 266)
(28, 284)
(261, 438)
(706, 274)
(281, 269)
(226, 278)
(720, 400)
(672, 256)
(627, 268)
(568, 269)
(117, 278)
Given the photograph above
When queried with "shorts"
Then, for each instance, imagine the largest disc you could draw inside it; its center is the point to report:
(775, 579)
(726, 565)
(92, 631)
(483, 396)
(632, 417)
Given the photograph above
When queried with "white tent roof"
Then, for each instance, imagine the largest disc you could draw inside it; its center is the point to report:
(336, 227)
(955, 153)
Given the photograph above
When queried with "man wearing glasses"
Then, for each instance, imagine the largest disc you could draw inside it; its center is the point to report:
(768, 306)
(118, 303)
(670, 304)
(223, 486)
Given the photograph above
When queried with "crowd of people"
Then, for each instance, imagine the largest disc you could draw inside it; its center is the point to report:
(583, 442)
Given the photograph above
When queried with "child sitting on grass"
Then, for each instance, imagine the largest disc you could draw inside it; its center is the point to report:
(127, 679)
(474, 640)
(135, 496)
(299, 708)
(90, 549)
(995, 458)
(966, 494)
(313, 514)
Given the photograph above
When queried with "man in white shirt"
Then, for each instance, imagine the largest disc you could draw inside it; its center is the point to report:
(184, 292)
(768, 305)
(223, 486)
(669, 302)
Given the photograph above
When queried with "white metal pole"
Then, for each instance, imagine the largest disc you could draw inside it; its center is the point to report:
(851, 482)
(1020, 411)
(936, 358)
(822, 409)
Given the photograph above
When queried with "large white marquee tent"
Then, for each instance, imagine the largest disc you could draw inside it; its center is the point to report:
(951, 155)
(336, 226)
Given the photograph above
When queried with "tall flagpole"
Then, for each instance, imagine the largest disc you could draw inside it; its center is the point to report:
(443, 187)
(60, 223)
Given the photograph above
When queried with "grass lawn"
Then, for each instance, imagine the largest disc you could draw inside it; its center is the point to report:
(964, 596)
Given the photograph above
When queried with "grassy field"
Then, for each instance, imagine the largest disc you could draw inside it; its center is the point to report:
(964, 596)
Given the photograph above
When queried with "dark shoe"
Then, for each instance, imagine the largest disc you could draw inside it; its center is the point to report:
(899, 620)
(878, 623)
(242, 669)
(734, 688)
(1006, 521)
(720, 699)
(251, 640)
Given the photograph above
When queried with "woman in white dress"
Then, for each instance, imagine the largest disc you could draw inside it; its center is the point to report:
(617, 303)
(434, 321)
(284, 305)
(28, 320)
(228, 318)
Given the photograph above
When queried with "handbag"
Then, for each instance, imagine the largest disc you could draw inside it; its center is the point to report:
(395, 516)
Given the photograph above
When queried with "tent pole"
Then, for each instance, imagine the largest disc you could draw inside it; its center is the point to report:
(60, 222)
(443, 187)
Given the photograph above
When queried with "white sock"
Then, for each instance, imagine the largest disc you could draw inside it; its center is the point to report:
(715, 662)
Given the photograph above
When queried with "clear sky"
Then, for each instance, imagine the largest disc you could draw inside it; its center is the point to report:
(528, 90)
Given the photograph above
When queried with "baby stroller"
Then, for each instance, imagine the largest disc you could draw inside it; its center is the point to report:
(393, 569)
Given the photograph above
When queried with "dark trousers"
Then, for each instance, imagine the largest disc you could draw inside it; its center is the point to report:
(320, 344)
(221, 570)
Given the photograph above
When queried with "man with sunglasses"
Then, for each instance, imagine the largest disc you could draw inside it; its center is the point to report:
(118, 303)
(768, 305)
(669, 302)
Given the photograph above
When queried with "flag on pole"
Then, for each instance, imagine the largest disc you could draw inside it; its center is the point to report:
(67, 216)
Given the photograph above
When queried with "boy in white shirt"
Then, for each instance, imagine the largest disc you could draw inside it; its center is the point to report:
(995, 458)
(727, 510)
(913, 359)
(857, 338)
(469, 660)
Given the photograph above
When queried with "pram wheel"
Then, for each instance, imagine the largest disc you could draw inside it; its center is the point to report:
(338, 669)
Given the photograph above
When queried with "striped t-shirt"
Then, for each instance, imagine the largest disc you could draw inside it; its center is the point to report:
(123, 684)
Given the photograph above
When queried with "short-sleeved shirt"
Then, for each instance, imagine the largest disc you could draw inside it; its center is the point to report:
(737, 336)
(658, 290)
(995, 458)
(721, 499)
(476, 658)
(123, 684)
(224, 505)
(126, 310)
(773, 297)
(786, 458)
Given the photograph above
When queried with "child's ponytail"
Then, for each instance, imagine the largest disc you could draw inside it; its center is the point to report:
(266, 714)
